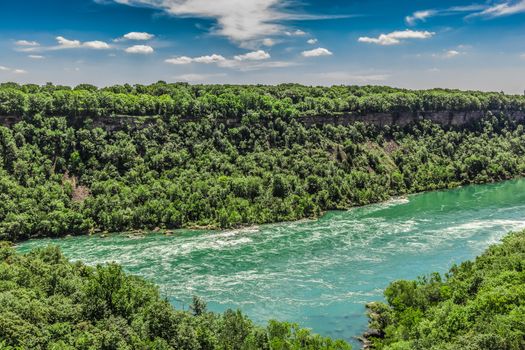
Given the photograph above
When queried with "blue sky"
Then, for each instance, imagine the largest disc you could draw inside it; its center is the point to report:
(412, 44)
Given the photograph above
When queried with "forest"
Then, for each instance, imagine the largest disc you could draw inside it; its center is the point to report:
(59, 178)
(48, 303)
(479, 304)
(239, 101)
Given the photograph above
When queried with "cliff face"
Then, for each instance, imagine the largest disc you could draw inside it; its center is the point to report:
(445, 118)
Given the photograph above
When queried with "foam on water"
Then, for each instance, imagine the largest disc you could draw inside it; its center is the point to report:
(318, 273)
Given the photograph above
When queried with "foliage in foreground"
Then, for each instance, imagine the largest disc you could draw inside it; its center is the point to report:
(49, 303)
(479, 305)
(58, 177)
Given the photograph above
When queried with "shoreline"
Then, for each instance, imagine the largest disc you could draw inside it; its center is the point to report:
(140, 233)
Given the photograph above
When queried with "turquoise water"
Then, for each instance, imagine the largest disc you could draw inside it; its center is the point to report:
(317, 273)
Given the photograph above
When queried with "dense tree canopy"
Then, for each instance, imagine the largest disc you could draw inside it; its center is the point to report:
(479, 305)
(47, 303)
(59, 178)
(236, 101)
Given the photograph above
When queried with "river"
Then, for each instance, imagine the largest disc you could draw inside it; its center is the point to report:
(317, 273)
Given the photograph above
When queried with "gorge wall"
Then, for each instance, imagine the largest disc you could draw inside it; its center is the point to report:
(445, 118)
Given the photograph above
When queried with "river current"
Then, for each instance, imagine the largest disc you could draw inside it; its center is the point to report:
(318, 273)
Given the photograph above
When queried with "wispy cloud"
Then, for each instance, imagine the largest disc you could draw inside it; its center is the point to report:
(297, 32)
(352, 78)
(36, 57)
(26, 43)
(447, 54)
(505, 8)
(320, 51)
(12, 70)
(395, 38)
(422, 16)
(198, 77)
(451, 54)
(238, 20)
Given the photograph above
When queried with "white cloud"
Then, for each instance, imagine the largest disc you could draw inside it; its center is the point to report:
(268, 42)
(239, 20)
(253, 56)
(247, 62)
(351, 78)
(419, 16)
(396, 37)
(471, 10)
(312, 41)
(506, 8)
(138, 36)
(198, 77)
(297, 32)
(209, 59)
(179, 60)
(62, 44)
(96, 45)
(452, 54)
(522, 56)
(317, 52)
(26, 43)
(36, 57)
(14, 71)
(140, 49)
(66, 43)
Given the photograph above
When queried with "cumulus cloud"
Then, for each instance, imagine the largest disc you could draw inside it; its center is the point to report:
(250, 61)
(26, 43)
(210, 59)
(62, 44)
(396, 37)
(66, 43)
(179, 60)
(312, 41)
(316, 52)
(253, 56)
(96, 45)
(138, 36)
(140, 49)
